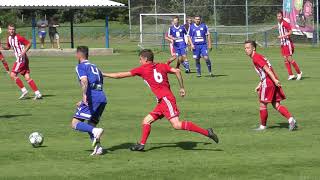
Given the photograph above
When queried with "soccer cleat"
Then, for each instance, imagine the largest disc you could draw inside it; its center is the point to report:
(97, 133)
(299, 76)
(292, 124)
(23, 95)
(198, 75)
(291, 77)
(98, 150)
(37, 96)
(137, 147)
(211, 75)
(260, 129)
(212, 135)
(187, 71)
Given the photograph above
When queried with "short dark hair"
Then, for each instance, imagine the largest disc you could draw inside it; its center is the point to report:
(176, 17)
(280, 12)
(253, 43)
(84, 50)
(147, 53)
(11, 25)
(197, 16)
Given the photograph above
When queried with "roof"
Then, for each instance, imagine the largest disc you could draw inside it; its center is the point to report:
(58, 4)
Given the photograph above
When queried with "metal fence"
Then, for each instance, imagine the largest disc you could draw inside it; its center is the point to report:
(230, 22)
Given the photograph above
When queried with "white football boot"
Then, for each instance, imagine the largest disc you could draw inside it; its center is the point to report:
(98, 150)
(37, 96)
(299, 76)
(97, 133)
(291, 77)
(23, 95)
(261, 128)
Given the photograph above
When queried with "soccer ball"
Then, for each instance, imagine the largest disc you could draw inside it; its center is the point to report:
(36, 139)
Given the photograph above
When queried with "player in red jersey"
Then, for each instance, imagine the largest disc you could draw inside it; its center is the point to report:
(4, 62)
(287, 47)
(269, 88)
(156, 76)
(172, 51)
(20, 45)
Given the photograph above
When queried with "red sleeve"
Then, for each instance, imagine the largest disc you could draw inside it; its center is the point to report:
(23, 40)
(136, 71)
(167, 68)
(286, 25)
(8, 44)
(260, 61)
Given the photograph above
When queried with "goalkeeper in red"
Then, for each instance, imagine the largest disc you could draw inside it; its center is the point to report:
(156, 76)
(269, 88)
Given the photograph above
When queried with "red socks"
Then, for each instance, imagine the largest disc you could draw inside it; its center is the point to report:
(146, 129)
(19, 83)
(33, 85)
(5, 64)
(284, 111)
(296, 67)
(189, 126)
(263, 116)
(288, 66)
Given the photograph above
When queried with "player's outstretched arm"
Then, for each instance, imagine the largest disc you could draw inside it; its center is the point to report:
(209, 42)
(271, 75)
(118, 75)
(177, 72)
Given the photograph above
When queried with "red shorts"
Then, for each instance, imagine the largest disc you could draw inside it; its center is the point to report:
(21, 67)
(271, 93)
(167, 107)
(172, 51)
(287, 50)
(1, 56)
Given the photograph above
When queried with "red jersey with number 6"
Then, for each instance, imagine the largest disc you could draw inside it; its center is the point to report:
(156, 77)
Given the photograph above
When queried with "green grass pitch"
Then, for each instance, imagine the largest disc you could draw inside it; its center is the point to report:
(227, 103)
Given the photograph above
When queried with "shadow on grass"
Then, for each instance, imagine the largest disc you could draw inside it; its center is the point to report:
(9, 116)
(185, 145)
(280, 126)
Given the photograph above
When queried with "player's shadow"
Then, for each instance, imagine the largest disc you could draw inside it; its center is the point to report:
(9, 116)
(48, 95)
(185, 145)
(279, 125)
(120, 146)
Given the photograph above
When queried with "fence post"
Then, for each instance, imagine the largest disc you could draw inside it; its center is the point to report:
(71, 28)
(107, 32)
(215, 39)
(265, 39)
(163, 41)
(34, 40)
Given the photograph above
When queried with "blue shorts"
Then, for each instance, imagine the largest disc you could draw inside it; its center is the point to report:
(42, 34)
(180, 51)
(200, 51)
(92, 112)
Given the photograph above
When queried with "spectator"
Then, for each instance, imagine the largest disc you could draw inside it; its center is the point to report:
(53, 33)
(42, 25)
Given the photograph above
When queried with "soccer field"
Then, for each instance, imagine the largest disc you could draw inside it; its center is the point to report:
(227, 103)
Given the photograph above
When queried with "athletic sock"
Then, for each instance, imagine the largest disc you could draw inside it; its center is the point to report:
(263, 116)
(296, 67)
(190, 126)
(84, 127)
(186, 64)
(91, 136)
(20, 84)
(146, 129)
(288, 66)
(198, 66)
(284, 111)
(5, 64)
(33, 85)
(208, 62)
